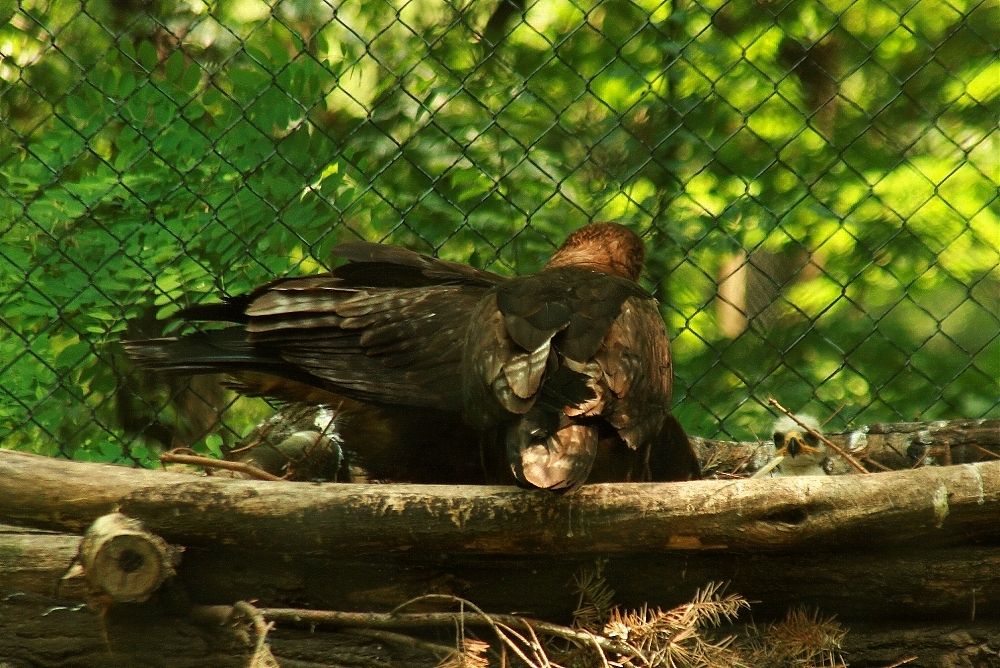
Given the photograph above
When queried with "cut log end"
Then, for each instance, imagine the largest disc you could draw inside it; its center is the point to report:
(122, 561)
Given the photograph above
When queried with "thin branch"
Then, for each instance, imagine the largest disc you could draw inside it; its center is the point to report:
(986, 451)
(500, 628)
(212, 463)
(767, 468)
(383, 620)
(503, 631)
(261, 654)
(879, 466)
(403, 640)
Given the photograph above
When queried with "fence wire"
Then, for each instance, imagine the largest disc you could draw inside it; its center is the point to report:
(816, 183)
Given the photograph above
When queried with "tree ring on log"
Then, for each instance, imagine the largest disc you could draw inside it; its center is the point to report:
(124, 562)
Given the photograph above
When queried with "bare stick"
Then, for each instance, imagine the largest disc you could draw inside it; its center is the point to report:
(211, 463)
(440, 651)
(381, 620)
(262, 653)
(767, 468)
(987, 452)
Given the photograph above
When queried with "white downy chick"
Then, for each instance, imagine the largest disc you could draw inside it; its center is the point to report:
(801, 451)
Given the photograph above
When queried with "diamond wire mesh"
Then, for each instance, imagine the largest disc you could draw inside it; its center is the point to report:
(817, 184)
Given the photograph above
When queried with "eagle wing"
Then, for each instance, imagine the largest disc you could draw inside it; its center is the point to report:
(385, 327)
(552, 356)
(557, 365)
(387, 345)
(374, 264)
(637, 375)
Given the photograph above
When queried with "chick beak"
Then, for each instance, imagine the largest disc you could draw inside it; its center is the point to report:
(796, 445)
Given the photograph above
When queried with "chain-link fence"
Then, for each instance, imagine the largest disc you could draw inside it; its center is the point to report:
(816, 183)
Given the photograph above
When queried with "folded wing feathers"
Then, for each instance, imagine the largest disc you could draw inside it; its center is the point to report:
(559, 461)
(392, 266)
(594, 379)
(390, 344)
(591, 359)
(639, 395)
(523, 372)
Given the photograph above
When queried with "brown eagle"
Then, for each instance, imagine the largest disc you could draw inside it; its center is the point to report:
(554, 371)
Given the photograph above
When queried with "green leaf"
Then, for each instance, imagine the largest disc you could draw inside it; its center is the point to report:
(126, 85)
(213, 443)
(7, 10)
(174, 66)
(73, 354)
(190, 79)
(147, 56)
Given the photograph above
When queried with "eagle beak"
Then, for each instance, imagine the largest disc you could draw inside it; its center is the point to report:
(795, 444)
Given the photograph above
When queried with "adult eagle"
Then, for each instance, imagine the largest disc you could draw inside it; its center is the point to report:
(555, 371)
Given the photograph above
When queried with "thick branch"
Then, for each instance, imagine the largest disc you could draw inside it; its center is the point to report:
(925, 505)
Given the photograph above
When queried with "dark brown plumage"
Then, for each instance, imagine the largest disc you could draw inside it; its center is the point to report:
(575, 351)
(557, 370)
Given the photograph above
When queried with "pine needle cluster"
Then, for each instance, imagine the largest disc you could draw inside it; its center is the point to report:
(803, 639)
(695, 633)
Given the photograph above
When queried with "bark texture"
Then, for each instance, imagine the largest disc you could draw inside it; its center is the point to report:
(906, 560)
(932, 505)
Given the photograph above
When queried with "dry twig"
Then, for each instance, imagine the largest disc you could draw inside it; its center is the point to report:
(262, 656)
(173, 457)
(443, 652)
(638, 638)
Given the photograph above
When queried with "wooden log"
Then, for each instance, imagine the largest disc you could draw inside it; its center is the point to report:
(952, 583)
(947, 583)
(942, 605)
(33, 560)
(901, 558)
(880, 446)
(923, 506)
(945, 441)
(122, 562)
(971, 643)
(46, 631)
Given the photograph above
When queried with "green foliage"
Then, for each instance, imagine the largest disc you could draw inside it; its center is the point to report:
(148, 160)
